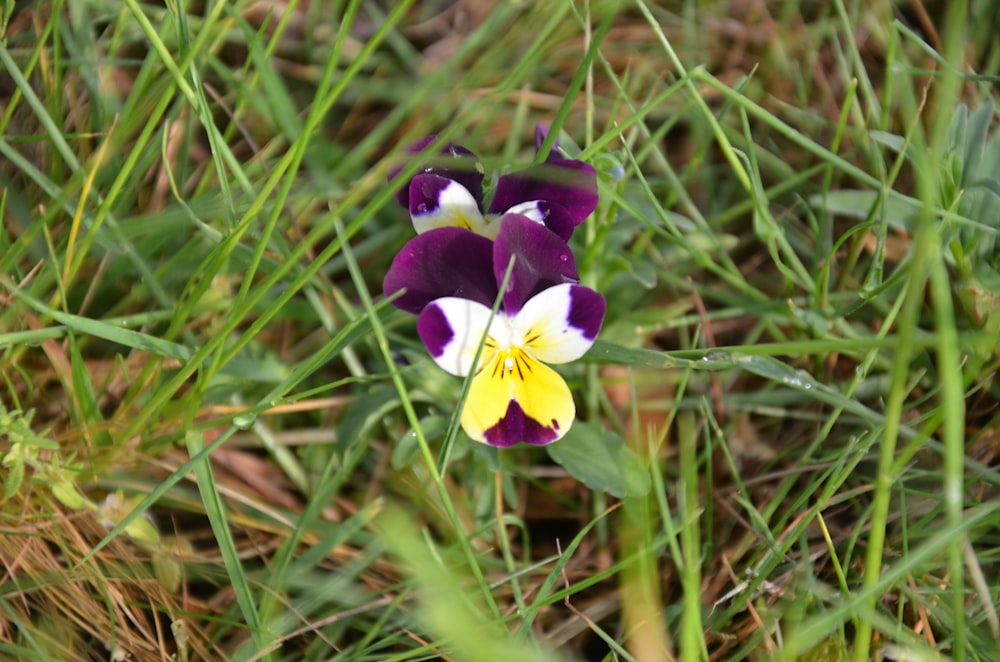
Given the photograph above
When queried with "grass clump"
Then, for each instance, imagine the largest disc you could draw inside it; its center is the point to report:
(219, 441)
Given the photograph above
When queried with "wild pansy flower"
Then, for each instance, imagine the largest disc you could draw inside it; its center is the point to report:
(545, 318)
(448, 192)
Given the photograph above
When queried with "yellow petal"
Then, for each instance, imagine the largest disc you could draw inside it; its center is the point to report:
(517, 399)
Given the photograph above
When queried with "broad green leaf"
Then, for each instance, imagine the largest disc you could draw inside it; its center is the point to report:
(599, 459)
(488, 455)
(976, 138)
(12, 483)
(859, 205)
(68, 495)
(267, 368)
(893, 141)
(643, 272)
(167, 571)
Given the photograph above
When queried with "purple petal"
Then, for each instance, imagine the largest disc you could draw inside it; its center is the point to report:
(517, 427)
(453, 161)
(453, 329)
(541, 132)
(425, 190)
(435, 330)
(567, 182)
(420, 145)
(542, 260)
(586, 311)
(550, 214)
(442, 263)
(437, 202)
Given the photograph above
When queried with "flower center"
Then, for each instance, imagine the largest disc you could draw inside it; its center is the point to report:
(511, 362)
(458, 218)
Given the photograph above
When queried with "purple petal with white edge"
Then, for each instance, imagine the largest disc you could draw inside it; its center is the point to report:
(586, 311)
(453, 328)
(550, 214)
(516, 427)
(442, 263)
(530, 210)
(453, 161)
(439, 202)
(567, 182)
(560, 324)
(542, 260)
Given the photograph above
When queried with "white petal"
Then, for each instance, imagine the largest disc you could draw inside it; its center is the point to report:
(453, 329)
(529, 209)
(454, 207)
(559, 324)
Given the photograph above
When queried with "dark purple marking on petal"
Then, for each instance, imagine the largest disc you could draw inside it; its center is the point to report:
(567, 182)
(434, 329)
(542, 260)
(425, 191)
(586, 311)
(446, 262)
(453, 162)
(516, 427)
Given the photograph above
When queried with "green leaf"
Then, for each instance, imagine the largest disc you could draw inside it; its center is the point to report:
(488, 455)
(109, 332)
(859, 205)
(365, 412)
(643, 272)
(68, 495)
(599, 459)
(142, 529)
(87, 410)
(893, 141)
(264, 367)
(167, 571)
(14, 479)
(976, 137)
(803, 382)
(218, 518)
(406, 449)
(608, 352)
(17, 427)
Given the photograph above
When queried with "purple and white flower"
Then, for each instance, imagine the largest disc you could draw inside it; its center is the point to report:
(448, 192)
(453, 277)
